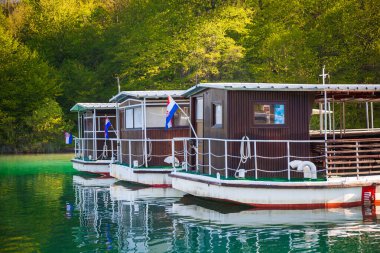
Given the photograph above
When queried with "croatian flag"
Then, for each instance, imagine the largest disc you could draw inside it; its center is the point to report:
(106, 126)
(171, 108)
(68, 138)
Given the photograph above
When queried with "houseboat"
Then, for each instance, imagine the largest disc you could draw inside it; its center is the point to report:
(253, 145)
(145, 145)
(95, 145)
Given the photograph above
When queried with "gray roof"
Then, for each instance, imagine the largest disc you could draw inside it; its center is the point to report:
(79, 107)
(146, 94)
(281, 87)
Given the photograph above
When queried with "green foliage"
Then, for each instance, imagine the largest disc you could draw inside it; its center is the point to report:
(71, 51)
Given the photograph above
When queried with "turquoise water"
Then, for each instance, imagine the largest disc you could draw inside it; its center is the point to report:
(45, 206)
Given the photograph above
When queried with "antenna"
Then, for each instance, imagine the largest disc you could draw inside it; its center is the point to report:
(324, 75)
(118, 84)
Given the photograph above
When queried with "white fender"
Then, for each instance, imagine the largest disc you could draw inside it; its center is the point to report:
(308, 168)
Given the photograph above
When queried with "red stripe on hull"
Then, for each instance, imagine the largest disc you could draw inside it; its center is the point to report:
(161, 185)
(377, 203)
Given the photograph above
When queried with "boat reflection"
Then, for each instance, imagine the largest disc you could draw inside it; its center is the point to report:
(125, 217)
(125, 191)
(230, 214)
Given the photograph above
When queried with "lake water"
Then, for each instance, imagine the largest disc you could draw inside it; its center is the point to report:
(46, 206)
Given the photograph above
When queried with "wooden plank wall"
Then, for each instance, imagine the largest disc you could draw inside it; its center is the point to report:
(238, 122)
(298, 107)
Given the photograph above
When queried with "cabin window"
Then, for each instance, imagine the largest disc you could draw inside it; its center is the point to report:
(269, 114)
(217, 114)
(137, 117)
(199, 109)
(180, 118)
(156, 117)
(129, 118)
(133, 118)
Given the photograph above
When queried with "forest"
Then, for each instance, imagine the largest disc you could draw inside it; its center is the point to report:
(55, 53)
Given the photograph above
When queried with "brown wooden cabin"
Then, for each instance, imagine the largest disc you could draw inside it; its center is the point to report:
(142, 119)
(91, 135)
(268, 112)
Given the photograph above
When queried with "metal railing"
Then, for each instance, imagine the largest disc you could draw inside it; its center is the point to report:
(147, 153)
(212, 156)
(85, 149)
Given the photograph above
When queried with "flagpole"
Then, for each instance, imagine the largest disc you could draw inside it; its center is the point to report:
(188, 119)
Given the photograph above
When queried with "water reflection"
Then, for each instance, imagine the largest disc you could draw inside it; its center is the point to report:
(123, 217)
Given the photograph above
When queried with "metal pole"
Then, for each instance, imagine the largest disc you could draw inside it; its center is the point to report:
(372, 116)
(320, 118)
(333, 117)
(325, 106)
(197, 153)
(330, 127)
(209, 156)
(255, 147)
(112, 159)
(188, 119)
(130, 153)
(94, 153)
(173, 155)
(145, 134)
(357, 159)
(367, 114)
(225, 159)
(185, 153)
(344, 117)
(288, 154)
(82, 149)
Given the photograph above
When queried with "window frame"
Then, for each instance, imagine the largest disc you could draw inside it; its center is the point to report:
(271, 103)
(214, 104)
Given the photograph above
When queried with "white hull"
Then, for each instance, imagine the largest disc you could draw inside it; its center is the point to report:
(97, 167)
(153, 177)
(273, 195)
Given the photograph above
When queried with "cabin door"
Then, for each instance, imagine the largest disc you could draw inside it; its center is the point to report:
(199, 128)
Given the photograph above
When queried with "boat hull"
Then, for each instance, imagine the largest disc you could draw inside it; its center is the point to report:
(96, 167)
(153, 177)
(273, 195)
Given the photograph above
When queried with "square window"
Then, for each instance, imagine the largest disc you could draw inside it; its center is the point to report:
(269, 114)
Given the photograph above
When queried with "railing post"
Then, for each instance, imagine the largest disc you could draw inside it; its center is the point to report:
(357, 159)
(185, 153)
(173, 155)
(196, 155)
(225, 159)
(255, 154)
(130, 153)
(75, 147)
(121, 152)
(209, 156)
(112, 159)
(82, 149)
(288, 154)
